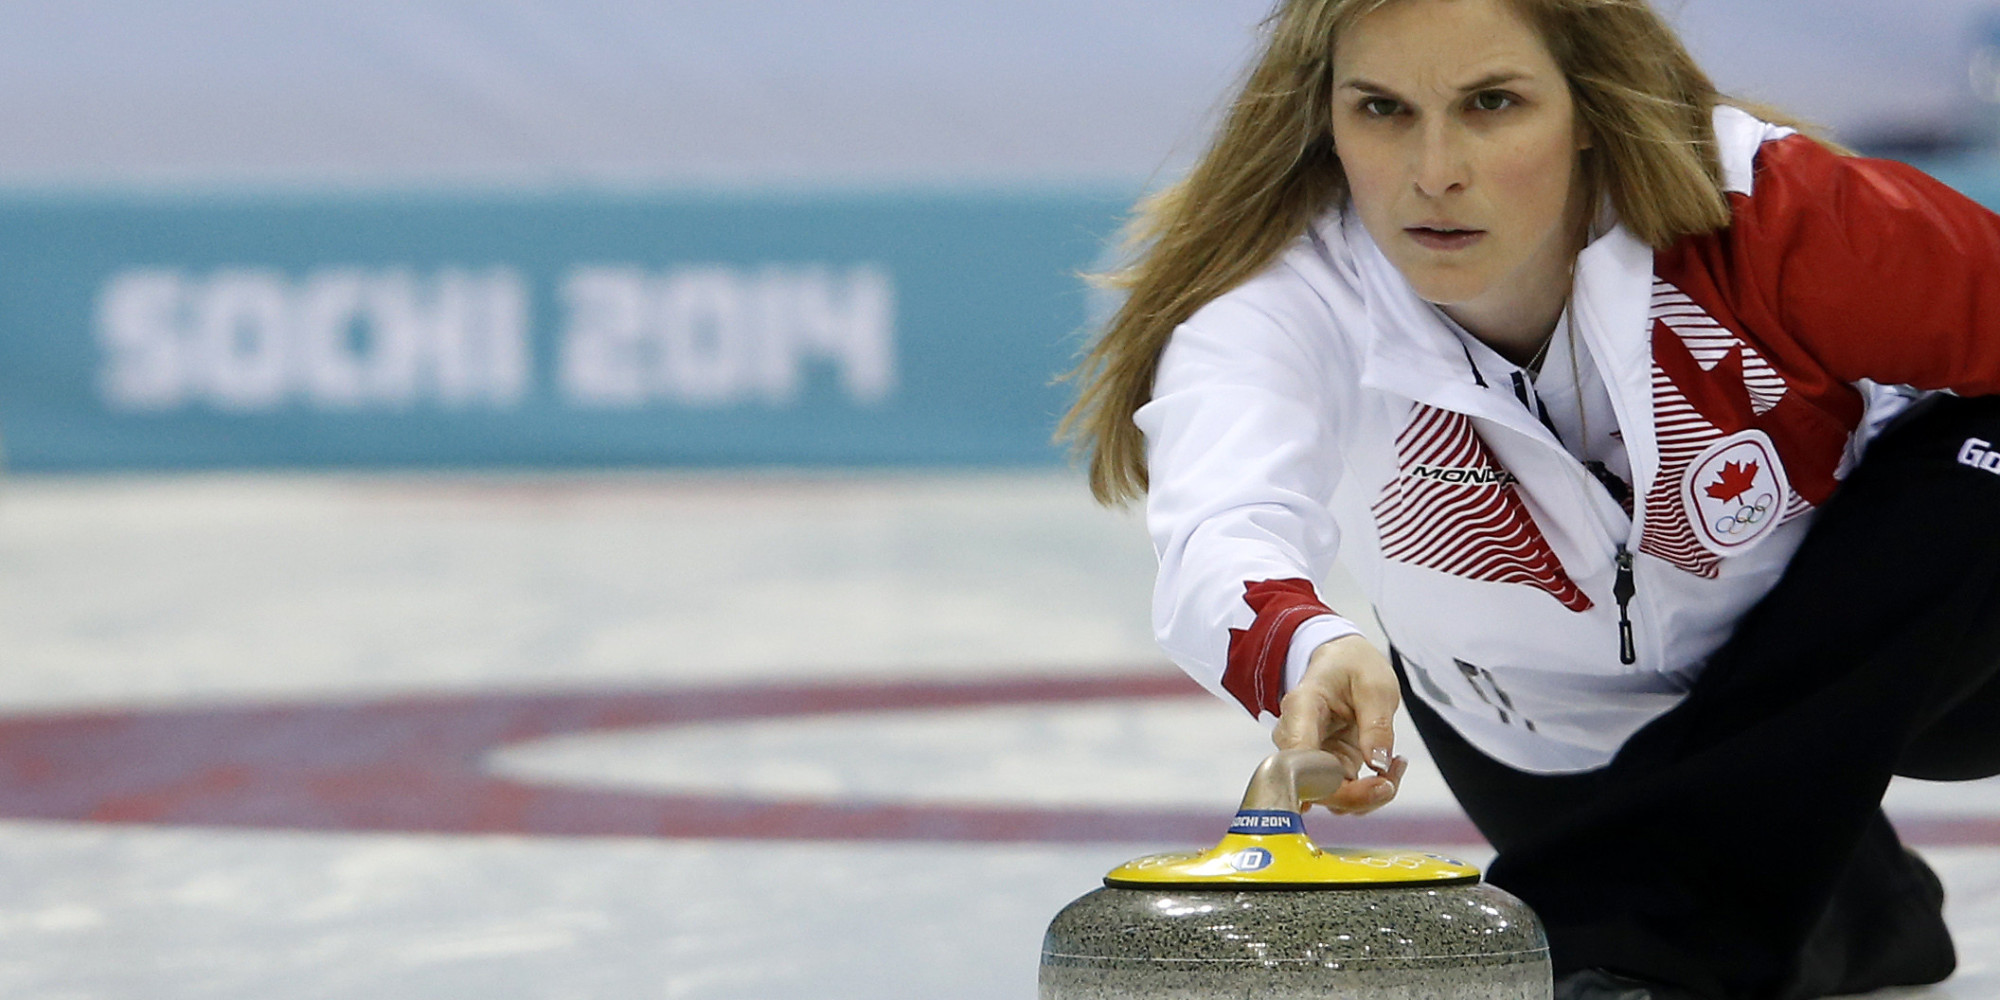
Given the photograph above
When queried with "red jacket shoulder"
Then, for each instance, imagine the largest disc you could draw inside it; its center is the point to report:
(1856, 268)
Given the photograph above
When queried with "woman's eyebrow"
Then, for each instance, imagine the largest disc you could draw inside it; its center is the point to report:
(1494, 79)
(1365, 86)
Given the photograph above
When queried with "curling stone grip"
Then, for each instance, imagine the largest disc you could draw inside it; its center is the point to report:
(1289, 779)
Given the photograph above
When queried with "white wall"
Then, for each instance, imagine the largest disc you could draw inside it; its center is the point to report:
(759, 90)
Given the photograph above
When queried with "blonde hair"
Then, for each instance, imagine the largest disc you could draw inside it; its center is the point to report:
(1271, 169)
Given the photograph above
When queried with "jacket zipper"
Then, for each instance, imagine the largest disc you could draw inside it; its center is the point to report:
(1625, 587)
(1623, 590)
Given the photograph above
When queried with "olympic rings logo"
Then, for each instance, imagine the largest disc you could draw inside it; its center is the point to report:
(1407, 862)
(1746, 517)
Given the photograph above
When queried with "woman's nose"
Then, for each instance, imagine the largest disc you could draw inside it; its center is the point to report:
(1440, 165)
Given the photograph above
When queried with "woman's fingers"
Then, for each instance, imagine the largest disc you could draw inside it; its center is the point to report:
(1305, 720)
(1310, 723)
(1346, 705)
(1362, 795)
(1348, 695)
(1368, 793)
(1375, 697)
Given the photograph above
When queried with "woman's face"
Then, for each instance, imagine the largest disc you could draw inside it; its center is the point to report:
(1459, 139)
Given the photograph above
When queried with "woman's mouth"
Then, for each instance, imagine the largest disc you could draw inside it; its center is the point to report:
(1444, 237)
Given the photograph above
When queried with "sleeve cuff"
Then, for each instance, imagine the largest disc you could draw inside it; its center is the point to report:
(1316, 631)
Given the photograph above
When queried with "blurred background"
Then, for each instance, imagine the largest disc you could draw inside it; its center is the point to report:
(435, 232)
(529, 499)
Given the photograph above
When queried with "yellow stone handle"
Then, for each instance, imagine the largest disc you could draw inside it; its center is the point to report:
(1289, 779)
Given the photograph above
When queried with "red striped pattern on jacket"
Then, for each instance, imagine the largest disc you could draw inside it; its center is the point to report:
(1684, 433)
(1455, 510)
(1710, 342)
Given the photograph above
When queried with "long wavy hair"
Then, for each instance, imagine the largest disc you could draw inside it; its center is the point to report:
(1271, 169)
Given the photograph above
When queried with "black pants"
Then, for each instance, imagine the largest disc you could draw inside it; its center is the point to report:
(1736, 846)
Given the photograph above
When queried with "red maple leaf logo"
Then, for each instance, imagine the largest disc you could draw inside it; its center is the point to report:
(1735, 481)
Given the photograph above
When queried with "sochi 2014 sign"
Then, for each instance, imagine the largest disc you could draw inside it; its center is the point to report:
(347, 339)
(355, 330)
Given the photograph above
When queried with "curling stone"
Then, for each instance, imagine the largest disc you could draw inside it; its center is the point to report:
(1267, 914)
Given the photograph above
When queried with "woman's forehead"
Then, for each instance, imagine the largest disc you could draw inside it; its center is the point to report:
(1478, 37)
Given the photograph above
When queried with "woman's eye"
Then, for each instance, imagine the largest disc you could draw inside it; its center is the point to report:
(1379, 107)
(1492, 100)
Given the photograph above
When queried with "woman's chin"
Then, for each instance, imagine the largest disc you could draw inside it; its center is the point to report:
(1442, 282)
(1445, 293)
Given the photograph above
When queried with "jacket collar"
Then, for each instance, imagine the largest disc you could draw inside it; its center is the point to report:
(1411, 349)
(1612, 307)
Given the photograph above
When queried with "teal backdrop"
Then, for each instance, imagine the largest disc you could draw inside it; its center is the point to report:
(189, 331)
(374, 329)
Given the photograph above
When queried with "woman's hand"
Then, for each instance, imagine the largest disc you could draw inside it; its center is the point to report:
(1346, 705)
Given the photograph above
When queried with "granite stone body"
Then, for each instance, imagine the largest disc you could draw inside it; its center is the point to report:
(1449, 942)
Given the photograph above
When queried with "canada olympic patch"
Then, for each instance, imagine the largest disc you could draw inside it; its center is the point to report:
(1735, 492)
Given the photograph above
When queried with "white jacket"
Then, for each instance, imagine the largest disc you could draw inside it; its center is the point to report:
(1324, 408)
